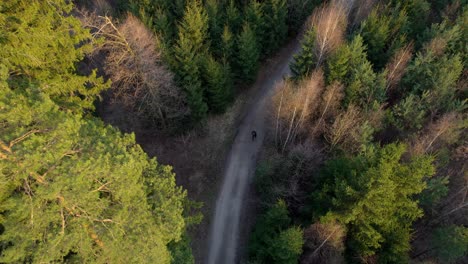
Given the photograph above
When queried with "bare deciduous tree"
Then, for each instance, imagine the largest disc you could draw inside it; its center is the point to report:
(133, 62)
(294, 105)
(342, 130)
(396, 67)
(362, 9)
(329, 22)
(324, 243)
(329, 107)
(445, 131)
(436, 46)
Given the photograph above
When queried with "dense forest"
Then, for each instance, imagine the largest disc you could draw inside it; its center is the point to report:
(364, 159)
(366, 156)
(77, 190)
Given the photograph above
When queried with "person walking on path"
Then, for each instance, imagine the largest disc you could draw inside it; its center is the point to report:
(254, 135)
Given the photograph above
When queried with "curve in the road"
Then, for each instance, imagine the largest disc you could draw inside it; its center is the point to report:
(240, 165)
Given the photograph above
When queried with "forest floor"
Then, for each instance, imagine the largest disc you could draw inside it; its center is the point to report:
(199, 157)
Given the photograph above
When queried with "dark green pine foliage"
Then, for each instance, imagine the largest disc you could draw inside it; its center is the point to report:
(365, 87)
(418, 16)
(350, 66)
(384, 32)
(159, 15)
(337, 66)
(410, 113)
(375, 31)
(255, 18)
(276, 30)
(228, 45)
(273, 240)
(348, 57)
(219, 85)
(450, 242)
(436, 75)
(248, 55)
(188, 52)
(181, 251)
(233, 17)
(437, 188)
(215, 28)
(298, 11)
(373, 195)
(304, 62)
(452, 33)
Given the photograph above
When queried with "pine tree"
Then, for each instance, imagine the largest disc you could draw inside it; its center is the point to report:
(287, 246)
(188, 51)
(266, 230)
(450, 243)
(365, 86)
(215, 28)
(373, 194)
(338, 65)
(345, 60)
(248, 54)
(38, 47)
(228, 43)
(304, 62)
(276, 13)
(219, 85)
(375, 31)
(418, 15)
(233, 17)
(410, 113)
(255, 18)
(437, 75)
(79, 191)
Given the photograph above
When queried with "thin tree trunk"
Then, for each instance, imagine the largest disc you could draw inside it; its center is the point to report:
(323, 114)
(324, 241)
(289, 130)
(277, 120)
(301, 119)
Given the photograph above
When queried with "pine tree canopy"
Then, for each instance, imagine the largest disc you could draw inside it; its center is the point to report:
(76, 190)
(72, 189)
(373, 194)
(41, 44)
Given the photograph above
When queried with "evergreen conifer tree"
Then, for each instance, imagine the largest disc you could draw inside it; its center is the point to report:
(437, 75)
(37, 46)
(338, 64)
(219, 85)
(228, 43)
(215, 28)
(188, 52)
(304, 62)
(450, 243)
(255, 17)
(373, 194)
(375, 31)
(248, 54)
(75, 190)
(276, 14)
(233, 17)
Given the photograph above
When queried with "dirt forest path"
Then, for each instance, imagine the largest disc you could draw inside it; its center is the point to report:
(240, 165)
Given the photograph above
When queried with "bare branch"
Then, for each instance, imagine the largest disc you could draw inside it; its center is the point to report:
(396, 68)
(329, 22)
